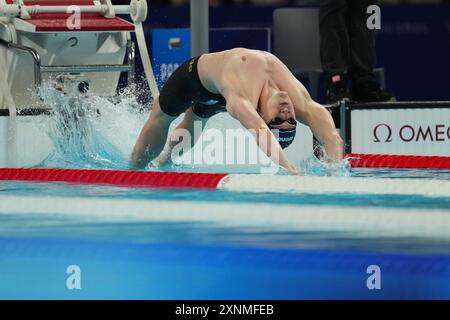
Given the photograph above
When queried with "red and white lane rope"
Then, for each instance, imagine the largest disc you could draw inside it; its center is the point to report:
(116, 177)
(398, 161)
(235, 182)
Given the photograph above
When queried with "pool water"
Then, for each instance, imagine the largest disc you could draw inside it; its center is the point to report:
(137, 243)
(193, 254)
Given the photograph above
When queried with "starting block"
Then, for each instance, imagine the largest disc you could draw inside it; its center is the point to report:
(39, 39)
(79, 45)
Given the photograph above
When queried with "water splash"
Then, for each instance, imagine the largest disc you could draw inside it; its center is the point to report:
(88, 131)
(320, 166)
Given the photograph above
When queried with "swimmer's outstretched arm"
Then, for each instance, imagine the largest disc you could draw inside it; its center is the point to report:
(152, 138)
(322, 126)
(319, 120)
(243, 110)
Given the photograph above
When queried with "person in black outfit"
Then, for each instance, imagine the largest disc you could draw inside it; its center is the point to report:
(347, 50)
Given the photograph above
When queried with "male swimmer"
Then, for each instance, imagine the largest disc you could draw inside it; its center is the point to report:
(254, 87)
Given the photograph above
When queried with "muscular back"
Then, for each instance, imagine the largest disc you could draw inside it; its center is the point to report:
(244, 72)
(238, 71)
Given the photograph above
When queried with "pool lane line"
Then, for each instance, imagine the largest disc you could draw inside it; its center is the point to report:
(367, 222)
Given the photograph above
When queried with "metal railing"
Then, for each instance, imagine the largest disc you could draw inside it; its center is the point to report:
(39, 69)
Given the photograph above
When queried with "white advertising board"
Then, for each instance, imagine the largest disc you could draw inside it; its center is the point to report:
(414, 131)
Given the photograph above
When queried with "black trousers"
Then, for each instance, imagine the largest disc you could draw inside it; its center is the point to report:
(347, 46)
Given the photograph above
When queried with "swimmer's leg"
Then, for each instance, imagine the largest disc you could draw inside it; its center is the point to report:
(152, 138)
(188, 123)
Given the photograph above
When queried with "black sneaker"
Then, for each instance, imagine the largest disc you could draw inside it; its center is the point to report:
(337, 89)
(370, 91)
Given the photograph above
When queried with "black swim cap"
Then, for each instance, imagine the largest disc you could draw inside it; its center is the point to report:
(284, 136)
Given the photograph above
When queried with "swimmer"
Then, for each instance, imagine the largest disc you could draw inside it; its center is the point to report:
(254, 87)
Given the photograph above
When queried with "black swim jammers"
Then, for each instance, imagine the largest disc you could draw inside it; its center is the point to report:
(183, 90)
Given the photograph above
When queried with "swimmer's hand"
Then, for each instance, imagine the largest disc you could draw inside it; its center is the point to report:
(165, 158)
(334, 148)
(293, 170)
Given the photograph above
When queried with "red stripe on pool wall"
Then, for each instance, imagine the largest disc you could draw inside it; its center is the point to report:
(398, 161)
(116, 177)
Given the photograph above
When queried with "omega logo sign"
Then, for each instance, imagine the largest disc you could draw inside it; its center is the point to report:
(384, 133)
(385, 129)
